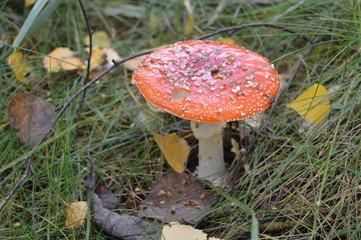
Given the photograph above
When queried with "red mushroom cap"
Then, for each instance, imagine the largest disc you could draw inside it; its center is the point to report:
(207, 81)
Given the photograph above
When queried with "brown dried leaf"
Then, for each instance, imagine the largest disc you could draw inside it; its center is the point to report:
(176, 197)
(75, 214)
(108, 198)
(31, 116)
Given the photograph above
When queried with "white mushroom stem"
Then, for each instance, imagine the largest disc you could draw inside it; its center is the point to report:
(211, 161)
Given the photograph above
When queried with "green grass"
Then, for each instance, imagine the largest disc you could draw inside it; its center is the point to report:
(299, 185)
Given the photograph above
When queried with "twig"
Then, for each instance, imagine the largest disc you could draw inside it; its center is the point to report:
(62, 109)
(22, 178)
(81, 102)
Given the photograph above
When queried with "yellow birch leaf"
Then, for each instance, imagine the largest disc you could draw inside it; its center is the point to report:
(313, 104)
(132, 64)
(227, 40)
(175, 150)
(61, 58)
(110, 55)
(29, 2)
(100, 39)
(97, 57)
(75, 214)
(177, 231)
(72, 63)
(20, 65)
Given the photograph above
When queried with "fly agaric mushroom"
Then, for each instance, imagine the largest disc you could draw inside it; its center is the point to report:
(209, 83)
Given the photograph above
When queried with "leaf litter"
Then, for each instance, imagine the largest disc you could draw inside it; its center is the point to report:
(175, 197)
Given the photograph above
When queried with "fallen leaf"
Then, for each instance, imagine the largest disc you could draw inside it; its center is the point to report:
(175, 150)
(110, 55)
(177, 231)
(313, 104)
(31, 116)
(176, 197)
(132, 64)
(109, 200)
(227, 40)
(99, 39)
(62, 59)
(96, 58)
(29, 2)
(75, 214)
(20, 65)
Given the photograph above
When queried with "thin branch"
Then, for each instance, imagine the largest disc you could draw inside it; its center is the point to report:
(22, 178)
(81, 102)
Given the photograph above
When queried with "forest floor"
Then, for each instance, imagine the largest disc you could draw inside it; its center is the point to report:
(297, 179)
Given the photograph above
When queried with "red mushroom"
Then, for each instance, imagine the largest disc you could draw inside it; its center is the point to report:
(209, 83)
